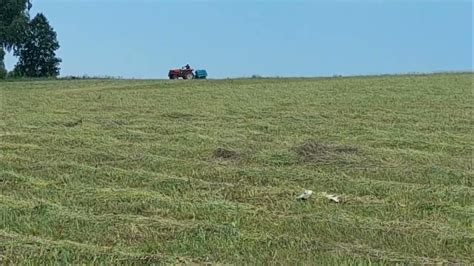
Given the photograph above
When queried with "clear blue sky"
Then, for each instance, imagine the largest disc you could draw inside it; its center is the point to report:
(144, 38)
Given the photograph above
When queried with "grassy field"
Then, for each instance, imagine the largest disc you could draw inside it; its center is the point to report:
(208, 171)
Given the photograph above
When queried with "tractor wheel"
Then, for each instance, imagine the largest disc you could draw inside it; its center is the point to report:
(189, 76)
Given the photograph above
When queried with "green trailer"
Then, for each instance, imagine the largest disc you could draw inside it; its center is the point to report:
(200, 74)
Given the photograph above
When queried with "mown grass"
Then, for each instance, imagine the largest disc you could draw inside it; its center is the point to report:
(115, 171)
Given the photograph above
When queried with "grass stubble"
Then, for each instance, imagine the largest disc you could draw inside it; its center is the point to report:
(110, 171)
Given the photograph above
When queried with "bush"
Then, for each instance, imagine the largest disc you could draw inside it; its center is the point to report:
(14, 74)
(3, 72)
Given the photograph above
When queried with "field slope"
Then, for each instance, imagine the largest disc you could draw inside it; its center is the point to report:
(117, 171)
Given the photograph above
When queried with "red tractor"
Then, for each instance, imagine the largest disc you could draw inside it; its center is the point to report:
(185, 72)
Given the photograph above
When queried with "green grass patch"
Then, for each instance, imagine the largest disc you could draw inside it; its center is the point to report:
(150, 171)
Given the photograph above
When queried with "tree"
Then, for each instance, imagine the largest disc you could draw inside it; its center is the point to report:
(13, 22)
(3, 71)
(37, 53)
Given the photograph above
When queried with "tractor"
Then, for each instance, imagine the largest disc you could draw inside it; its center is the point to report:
(187, 73)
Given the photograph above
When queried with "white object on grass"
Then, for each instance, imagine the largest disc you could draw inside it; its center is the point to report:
(306, 194)
(331, 197)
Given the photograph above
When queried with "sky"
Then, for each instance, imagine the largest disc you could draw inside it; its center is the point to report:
(146, 38)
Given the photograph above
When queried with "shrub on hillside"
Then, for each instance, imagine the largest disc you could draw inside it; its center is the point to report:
(3, 72)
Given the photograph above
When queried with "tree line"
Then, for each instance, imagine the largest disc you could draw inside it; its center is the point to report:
(33, 41)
